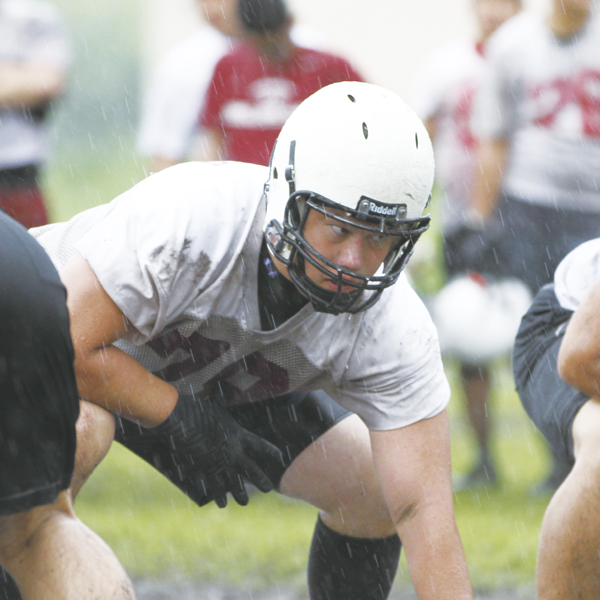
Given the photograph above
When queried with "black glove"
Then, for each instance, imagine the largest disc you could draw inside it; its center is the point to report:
(214, 453)
(473, 246)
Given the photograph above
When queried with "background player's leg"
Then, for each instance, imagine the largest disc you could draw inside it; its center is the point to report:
(568, 558)
(336, 474)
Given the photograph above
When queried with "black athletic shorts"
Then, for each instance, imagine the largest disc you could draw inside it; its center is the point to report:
(550, 402)
(291, 422)
(39, 403)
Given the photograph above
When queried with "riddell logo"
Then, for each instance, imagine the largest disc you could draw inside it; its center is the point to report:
(386, 211)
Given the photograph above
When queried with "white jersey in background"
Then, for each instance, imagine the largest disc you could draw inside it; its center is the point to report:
(543, 95)
(444, 91)
(178, 254)
(31, 34)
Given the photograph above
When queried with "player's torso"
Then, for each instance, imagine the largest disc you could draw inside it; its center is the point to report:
(555, 150)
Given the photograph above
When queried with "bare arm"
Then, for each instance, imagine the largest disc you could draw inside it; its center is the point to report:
(491, 159)
(413, 465)
(208, 145)
(158, 163)
(106, 375)
(579, 356)
(24, 85)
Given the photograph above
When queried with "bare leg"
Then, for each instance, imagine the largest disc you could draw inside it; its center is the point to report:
(476, 382)
(337, 475)
(568, 559)
(50, 553)
(354, 552)
(54, 556)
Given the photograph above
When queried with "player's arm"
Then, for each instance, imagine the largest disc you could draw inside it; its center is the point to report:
(491, 160)
(209, 144)
(106, 375)
(29, 85)
(159, 163)
(579, 356)
(413, 465)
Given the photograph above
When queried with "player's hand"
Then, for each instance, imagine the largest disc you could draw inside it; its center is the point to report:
(214, 452)
(474, 245)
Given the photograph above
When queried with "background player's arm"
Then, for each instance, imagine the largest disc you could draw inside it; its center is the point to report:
(413, 465)
(579, 356)
(209, 144)
(29, 85)
(106, 375)
(491, 160)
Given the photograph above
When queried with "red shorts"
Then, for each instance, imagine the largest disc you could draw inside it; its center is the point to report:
(25, 204)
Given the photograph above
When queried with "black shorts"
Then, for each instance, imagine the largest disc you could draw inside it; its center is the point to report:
(535, 238)
(291, 422)
(39, 403)
(550, 402)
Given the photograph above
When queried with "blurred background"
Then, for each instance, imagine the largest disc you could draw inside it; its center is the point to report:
(153, 528)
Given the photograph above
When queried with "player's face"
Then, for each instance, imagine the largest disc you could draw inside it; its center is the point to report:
(349, 247)
(222, 15)
(490, 14)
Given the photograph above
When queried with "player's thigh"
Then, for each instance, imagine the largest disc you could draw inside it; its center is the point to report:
(337, 474)
(17, 530)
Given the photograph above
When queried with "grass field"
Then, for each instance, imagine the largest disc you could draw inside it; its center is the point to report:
(156, 531)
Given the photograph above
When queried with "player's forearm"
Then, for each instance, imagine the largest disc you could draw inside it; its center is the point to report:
(435, 556)
(112, 379)
(489, 173)
(28, 86)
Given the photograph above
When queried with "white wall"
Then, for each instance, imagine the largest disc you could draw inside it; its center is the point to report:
(385, 39)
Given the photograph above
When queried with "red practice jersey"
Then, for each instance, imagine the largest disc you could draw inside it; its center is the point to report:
(250, 99)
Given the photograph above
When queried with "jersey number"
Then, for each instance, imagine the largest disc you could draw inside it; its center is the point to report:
(263, 378)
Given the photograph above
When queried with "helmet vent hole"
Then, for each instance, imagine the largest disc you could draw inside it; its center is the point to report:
(351, 98)
(275, 174)
(365, 131)
(417, 140)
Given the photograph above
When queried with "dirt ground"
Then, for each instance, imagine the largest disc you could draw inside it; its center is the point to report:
(180, 590)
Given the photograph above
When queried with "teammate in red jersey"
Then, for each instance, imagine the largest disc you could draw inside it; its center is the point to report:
(257, 86)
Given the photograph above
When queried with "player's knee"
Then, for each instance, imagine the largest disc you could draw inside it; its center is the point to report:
(18, 531)
(95, 433)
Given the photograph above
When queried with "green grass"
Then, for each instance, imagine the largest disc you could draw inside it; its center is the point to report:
(157, 532)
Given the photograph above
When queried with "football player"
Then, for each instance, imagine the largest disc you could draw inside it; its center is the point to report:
(48, 551)
(556, 371)
(251, 324)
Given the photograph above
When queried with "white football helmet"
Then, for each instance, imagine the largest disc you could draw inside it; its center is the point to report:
(477, 320)
(359, 148)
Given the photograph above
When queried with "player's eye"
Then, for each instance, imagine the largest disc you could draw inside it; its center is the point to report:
(338, 230)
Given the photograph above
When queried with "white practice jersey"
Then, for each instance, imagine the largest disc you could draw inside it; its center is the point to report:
(577, 273)
(176, 96)
(444, 91)
(178, 254)
(542, 94)
(31, 34)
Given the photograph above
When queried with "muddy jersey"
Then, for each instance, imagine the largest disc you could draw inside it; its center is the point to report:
(31, 34)
(542, 94)
(178, 253)
(444, 91)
